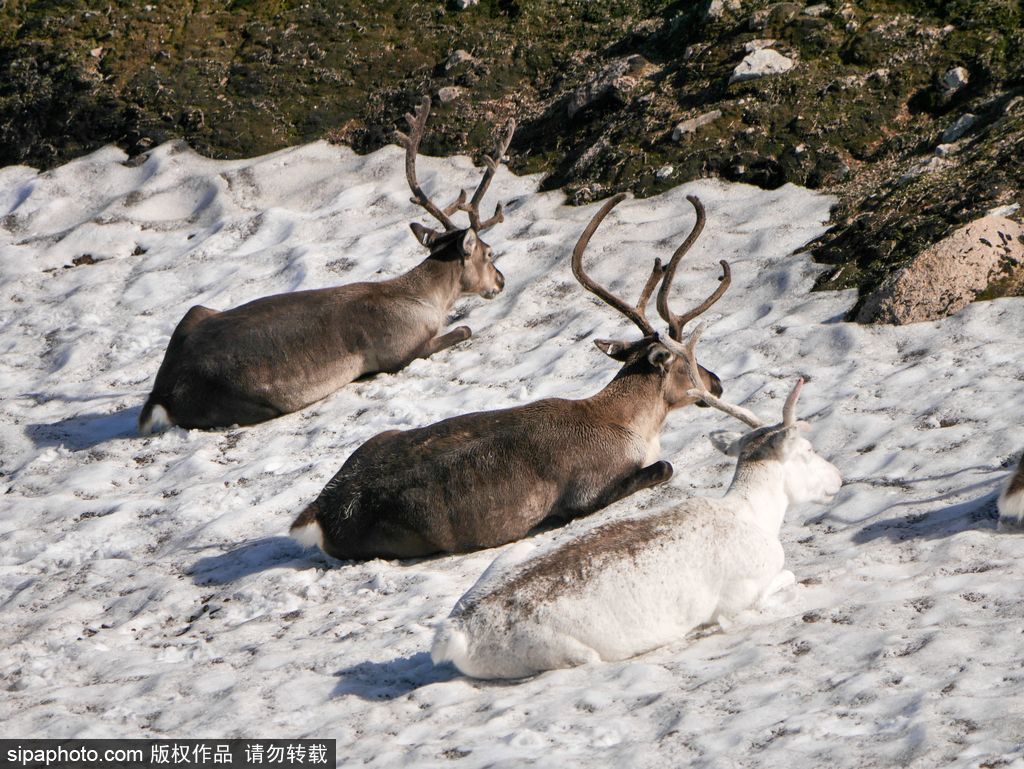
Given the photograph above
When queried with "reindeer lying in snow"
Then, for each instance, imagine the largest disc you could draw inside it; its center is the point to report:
(633, 585)
(487, 478)
(1011, 501)
(281, 353)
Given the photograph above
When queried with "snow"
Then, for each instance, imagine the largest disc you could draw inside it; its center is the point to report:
(148, 588)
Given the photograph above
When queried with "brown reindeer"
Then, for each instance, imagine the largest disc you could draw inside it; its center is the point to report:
(280, 353)
(487, 478)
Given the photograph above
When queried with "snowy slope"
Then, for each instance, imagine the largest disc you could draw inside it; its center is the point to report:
(147, 587)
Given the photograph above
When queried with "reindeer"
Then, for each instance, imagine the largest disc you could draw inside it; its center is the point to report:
(483, 479)
(635, 584)
(281, 353)
(1011, 501)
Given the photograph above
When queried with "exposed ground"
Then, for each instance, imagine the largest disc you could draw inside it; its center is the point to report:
(860, 114)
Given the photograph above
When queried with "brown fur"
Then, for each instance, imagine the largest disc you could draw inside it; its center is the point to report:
(1016, 485)
(280, 353)
(487, 478)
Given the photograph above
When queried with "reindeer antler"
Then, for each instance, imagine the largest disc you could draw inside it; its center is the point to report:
(637, 313)
(789, 410)
(492, 162)
(411, 142)
(677, 322)
(689, 355)
(749, 418)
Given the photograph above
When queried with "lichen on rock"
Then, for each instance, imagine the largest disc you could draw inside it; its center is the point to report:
(949, 275)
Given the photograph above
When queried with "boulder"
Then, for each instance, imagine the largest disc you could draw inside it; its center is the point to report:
(449, 93)
(963, 124)
(760, 63)
(955, 79)
(690, 126)
(950, 274)
(617, 79)
(716, 9)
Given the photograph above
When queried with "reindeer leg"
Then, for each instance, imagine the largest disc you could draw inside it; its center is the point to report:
(443, 342)
(644, 478)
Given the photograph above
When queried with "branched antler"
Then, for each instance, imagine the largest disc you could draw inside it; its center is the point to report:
(666, 273)
(689, 355)
(492, 162)
(637, 313)
(411, 142)
(677, 322)
(748, 418)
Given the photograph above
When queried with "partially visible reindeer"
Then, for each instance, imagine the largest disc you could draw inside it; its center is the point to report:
(487, 478)
(633, 585)
(1011, 501)
(281, 353)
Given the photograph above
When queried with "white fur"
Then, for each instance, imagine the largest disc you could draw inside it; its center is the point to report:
(653, 453)
(310, 535)
(157, 421)
(1011, 509)
(1011, 506)
(707, 560)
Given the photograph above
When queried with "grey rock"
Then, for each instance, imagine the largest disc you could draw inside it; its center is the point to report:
(716, 9)
(618, 78)
(761, 63)
(955, 79)
(449, 93)
(690, 126)
(963, 124)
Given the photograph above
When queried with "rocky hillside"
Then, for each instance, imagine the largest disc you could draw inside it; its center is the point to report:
(911, 111)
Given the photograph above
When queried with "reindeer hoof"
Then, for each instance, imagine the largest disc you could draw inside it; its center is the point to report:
(661, 471)
(463, 333)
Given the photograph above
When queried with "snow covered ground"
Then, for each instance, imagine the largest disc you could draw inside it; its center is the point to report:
(147, 587)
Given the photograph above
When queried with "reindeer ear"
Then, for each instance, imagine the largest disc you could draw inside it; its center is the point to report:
(424, 235)
(726, 441)
(615, 348)
(660, 357)
(467, 243)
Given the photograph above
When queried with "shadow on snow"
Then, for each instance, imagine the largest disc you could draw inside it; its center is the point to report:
(253, 557)
(85, 431)
(392, 679)
(976, 514)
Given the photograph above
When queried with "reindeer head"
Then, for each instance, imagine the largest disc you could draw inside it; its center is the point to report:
(806, 476)
(479, 275)
(665, 353)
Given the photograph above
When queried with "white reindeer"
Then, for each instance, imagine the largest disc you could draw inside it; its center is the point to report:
(633, 585)
(1011, 501)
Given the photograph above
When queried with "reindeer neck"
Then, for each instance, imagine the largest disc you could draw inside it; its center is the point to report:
(760, 489)
(633, 399)
(437, 281)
